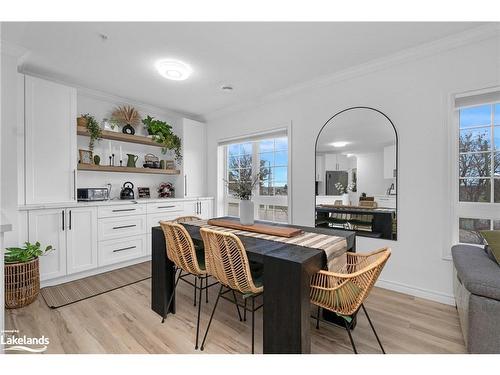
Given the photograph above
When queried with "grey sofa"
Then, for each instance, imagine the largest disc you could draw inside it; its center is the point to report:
(477, 295)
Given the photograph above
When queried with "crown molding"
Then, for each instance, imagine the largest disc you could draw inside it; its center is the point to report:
(112, 98)
(411, 54)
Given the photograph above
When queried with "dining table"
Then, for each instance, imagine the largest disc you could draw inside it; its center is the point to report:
(288, 269)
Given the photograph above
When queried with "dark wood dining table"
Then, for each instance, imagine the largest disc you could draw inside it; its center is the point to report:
(287, 274)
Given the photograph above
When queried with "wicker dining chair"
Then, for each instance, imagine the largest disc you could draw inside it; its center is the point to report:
(227, 261)
(186, 219)
(344, 291)
(187, 260)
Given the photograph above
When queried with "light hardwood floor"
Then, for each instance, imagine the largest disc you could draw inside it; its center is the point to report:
(121, 321)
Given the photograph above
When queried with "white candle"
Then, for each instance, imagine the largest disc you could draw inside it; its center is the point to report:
(109, 144)
(121, 157)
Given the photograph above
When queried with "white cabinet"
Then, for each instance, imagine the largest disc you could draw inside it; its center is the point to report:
(206, 209)
(336, 162)
(122, 249)
(194, 158)
(385, 201)
(50, 141)
(320, 168)
(202, 208)
(119, 227)
(81, 239)
(390, 161)
(49, 228)
(72, 233)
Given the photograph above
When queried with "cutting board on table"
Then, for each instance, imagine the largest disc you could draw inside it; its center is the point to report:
(272, 230)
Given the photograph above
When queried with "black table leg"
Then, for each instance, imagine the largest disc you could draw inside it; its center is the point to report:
(162, 275)
(287, 308)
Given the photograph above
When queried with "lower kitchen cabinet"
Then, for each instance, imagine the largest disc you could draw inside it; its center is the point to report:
(81, 239)
(201, 208)
(73, 235)
(121, 250)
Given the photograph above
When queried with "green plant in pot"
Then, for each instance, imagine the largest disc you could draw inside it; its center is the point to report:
(22, 273)
(94, 129)
(162, 133)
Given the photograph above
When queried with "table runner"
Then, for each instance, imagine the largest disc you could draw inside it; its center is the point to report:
(333, 246)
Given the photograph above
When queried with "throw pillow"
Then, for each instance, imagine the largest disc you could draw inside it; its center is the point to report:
(492, 238)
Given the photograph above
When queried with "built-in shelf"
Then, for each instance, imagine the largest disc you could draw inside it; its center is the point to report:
(122, 137)
(110, 168)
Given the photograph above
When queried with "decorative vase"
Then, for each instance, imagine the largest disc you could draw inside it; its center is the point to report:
(97, 159)
(131, 160)
(345, 199)
(246, 212)
(22, 283)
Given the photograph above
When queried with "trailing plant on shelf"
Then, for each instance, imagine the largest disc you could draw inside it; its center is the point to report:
(27, 253)
(94, 129)
(162, 133)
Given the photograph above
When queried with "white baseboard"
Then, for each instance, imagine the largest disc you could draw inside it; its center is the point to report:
(447, 299)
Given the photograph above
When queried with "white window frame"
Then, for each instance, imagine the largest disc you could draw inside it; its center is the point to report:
(223, 199)
(472, 210)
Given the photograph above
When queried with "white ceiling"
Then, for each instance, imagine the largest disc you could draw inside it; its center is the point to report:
(256, 58)
(364, 130)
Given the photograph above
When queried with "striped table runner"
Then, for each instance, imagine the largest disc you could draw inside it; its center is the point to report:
(333, 246)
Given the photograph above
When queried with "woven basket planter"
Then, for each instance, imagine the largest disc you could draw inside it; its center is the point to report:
(22, 283)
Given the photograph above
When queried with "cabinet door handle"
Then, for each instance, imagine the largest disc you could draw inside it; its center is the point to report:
(185, 185)
(165, 206)
(70, 220)
(124, 209)
(74, 184)
(125, 226)
(124, 248)
(62, 214)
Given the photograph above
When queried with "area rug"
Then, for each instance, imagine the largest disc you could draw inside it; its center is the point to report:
(78, 290)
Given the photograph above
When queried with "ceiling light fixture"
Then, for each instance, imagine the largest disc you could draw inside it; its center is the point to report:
(227, 88)
(339, 144)
(173, 69)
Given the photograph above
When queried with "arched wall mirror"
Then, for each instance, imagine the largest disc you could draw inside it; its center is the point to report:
(356, 173)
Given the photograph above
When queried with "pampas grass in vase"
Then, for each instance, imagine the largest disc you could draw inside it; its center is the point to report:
(128, 116)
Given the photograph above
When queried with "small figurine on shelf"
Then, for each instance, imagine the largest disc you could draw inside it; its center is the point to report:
(166, 190)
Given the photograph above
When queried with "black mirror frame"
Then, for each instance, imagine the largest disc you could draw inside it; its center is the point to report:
(397, 159)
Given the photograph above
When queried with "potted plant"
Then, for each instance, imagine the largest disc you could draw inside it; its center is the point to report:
(241, 183)
(22, 274)
(343, 190)
(128, 116)
(94, 129)
(162, 133)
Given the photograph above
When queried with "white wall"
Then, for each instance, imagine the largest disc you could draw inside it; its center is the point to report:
(415, 96)
(371, 174)
(101, 106)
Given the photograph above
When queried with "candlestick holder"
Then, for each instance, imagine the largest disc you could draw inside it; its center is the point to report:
(113, 159)
(110, 161)
(121, 162)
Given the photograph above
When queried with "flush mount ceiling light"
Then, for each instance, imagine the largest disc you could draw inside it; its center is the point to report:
(227, 88)
(339, 144)
(173, 69)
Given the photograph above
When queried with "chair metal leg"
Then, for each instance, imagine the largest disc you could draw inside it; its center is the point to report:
(245, 310)
(373, 328)
(237, 307)
(171, 296)
(195, 286)
(198, 319)
(317, 317)
(253, 324)
(348, 329)
(206, 289)
(211, 317)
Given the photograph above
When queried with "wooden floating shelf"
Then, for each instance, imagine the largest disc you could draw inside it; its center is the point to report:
(110, 168)
(106, 134)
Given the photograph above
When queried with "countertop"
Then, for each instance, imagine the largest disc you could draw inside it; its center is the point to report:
(112, 202)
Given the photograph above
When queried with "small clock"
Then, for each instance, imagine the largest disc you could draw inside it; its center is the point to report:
(127, 129)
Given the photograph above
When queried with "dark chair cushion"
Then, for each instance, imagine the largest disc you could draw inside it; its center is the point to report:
(477, 272)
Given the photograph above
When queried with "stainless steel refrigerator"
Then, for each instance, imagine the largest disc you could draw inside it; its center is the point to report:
(333, 177)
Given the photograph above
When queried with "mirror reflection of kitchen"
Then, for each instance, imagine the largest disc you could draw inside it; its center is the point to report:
(356, 174)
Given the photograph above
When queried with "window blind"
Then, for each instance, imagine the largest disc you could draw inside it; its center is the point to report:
(275, 133)
(473, 99)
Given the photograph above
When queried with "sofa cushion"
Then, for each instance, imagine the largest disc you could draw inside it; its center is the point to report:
(492, 240)
(477, 272)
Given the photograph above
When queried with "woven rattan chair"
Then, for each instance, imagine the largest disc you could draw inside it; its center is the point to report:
(181, 251)
(227, 261)
(186, 219)
(344, 291)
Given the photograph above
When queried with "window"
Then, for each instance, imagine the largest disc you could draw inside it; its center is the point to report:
(477, 202)
(245, 159)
